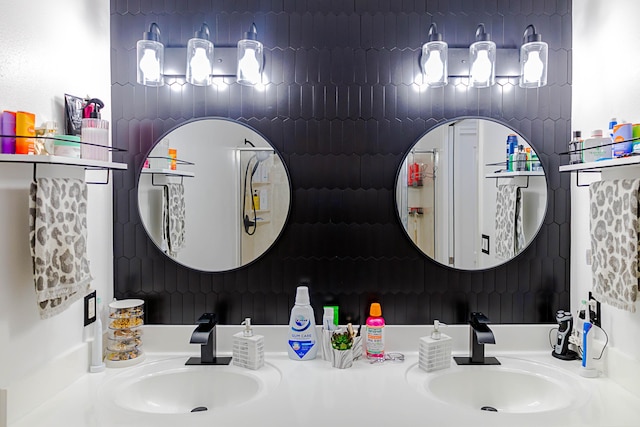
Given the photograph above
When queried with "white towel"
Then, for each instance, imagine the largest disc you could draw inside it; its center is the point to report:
(173, 214)
(614, 241)
(509, 226)
(58, 234)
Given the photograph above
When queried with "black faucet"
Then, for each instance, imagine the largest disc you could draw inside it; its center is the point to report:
(480, 334)
(205, 335)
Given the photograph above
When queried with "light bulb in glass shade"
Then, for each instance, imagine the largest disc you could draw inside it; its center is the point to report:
(150, 65)
(249, 67)
(200, 65)
(433, 67)
(533, 68)
(481, 68)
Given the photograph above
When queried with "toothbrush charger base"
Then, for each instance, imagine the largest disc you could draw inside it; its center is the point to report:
(571, 355)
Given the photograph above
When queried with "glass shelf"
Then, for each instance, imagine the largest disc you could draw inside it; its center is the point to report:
(602, 164)
(168, 172)
(60, 160)
(514, 174)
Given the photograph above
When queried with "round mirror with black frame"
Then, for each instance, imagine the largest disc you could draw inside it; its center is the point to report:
(213, 194)
(471, 193)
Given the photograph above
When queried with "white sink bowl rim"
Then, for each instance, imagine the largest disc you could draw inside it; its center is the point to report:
(517, 387)
(169, 387)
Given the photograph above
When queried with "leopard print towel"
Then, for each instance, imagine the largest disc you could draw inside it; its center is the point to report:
(173, 218)
(614, 241)
(510, 240)
(58, 234)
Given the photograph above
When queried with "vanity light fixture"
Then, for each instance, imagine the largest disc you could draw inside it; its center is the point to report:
(482, 60)
(150, 53)
(434, 59)
(200, 63)
(200, 58)
(250, 58)
(534, 55)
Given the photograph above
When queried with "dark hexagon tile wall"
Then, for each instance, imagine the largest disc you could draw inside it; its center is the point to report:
(342, 109)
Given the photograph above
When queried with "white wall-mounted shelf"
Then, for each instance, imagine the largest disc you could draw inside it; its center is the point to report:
(602, 164)
(514, 174)
(61, 160)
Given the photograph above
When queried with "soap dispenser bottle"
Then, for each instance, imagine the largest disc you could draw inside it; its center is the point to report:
(435, 351)
(248, 349)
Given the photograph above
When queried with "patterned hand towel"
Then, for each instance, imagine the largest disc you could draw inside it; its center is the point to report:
(614, 241)
(509, 226)
(173, 218)
(58, 234)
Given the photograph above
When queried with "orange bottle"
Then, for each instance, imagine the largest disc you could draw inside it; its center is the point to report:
(25, 127)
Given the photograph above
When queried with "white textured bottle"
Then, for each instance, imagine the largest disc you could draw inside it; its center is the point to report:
(302, 341)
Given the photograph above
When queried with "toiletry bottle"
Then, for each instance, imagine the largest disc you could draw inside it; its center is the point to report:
(94, 133)
(528, 159)
(328, 322)
(328, 326)
(375, 332)
(521, 159)
(173, 158)
(248, 349)
(25, 127)
(512, 143)
(302, 344)
(435, 351)
(612, 123)
(622, 139)
(256, 200)
(535, 162)
(8, 129)
(575, 147)
(97, 365)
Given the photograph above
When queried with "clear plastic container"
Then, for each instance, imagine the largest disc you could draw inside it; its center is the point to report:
(124, 334)
(94, 135)
(124, 345)
(124, 340)
(67, 145)
(596, 147)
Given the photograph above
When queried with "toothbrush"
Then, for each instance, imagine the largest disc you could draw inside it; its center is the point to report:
(586, 327)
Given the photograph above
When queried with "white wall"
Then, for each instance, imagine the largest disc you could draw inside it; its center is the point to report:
(606, 72)
(48, 49)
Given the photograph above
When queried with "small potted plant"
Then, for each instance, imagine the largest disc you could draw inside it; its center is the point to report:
(342, 345)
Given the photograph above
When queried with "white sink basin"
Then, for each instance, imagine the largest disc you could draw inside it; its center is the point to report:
(170, 387)
(516, 386)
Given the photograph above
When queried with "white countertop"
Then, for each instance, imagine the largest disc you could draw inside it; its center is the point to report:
(312, 393)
